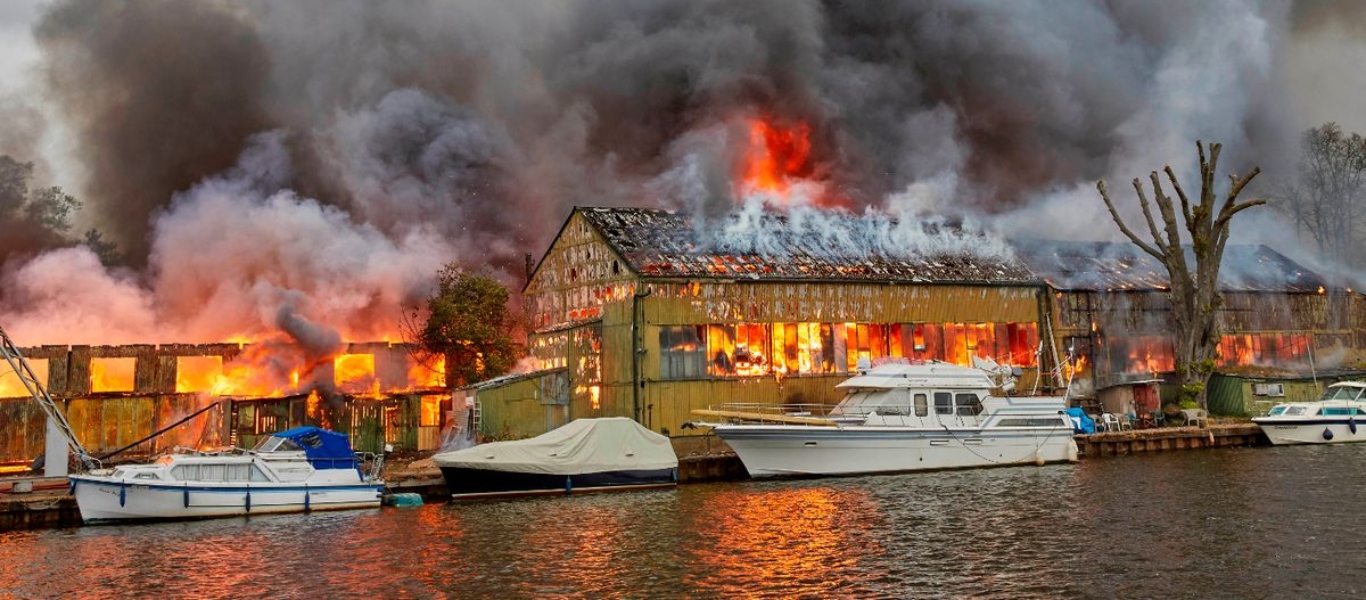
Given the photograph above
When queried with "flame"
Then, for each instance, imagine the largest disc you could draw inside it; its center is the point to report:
(427, 371)
(12, 387)
(355, 373)
(777, 156)
(199, 374)
(112, 374)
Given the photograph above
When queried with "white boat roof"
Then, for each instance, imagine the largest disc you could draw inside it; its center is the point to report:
(920, 375)
(1355, 384)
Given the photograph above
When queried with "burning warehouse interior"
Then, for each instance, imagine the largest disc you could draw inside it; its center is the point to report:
(220, 395)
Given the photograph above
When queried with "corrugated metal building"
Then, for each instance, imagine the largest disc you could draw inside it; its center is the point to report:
(634, 316)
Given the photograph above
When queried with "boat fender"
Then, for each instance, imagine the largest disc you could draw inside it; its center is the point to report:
(187, 496)
(71, 487)
(568, 485)
(307, 508)
(1038, 458)
(1352, 425)
(1327, 434)
(122, 496)
(248, 500)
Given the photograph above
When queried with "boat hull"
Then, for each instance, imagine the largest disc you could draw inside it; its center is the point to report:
(774, 451)
(110, 501)
(469, 483)
(1285, 432)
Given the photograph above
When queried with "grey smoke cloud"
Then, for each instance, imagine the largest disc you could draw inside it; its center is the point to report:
(345, 149)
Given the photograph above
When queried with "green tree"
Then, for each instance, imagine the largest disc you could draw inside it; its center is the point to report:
(1194, 292)
(468, 323)
(14, 180)
(51, 208)
(108, 251)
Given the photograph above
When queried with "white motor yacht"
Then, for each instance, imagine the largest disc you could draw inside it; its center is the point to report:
(899, 417)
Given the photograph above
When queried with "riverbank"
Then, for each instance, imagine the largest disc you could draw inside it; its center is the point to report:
(38, 502)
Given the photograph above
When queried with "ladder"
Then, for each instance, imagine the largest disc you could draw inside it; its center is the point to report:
(54, 414)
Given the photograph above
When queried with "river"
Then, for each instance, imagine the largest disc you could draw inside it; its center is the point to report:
(1228, 523)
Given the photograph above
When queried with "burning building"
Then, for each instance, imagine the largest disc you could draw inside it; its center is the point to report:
(115, 396)
(636, 315)
(1109, 307)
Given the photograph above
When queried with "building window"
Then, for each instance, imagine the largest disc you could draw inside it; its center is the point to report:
(682, 354)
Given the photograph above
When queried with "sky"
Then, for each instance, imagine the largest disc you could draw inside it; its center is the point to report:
(261, 162)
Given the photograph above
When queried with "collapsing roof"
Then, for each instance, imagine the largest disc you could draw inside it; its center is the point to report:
(1123, 266)
(824, 247)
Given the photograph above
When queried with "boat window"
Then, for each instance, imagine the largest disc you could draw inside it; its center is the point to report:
(922, 405)
(1294, 410)
(943, 403)
(968, 405)
(146, 476)
(277, 444)
(185, 473)
(1341, 393)
(257, 474)
(1276, 410)
(1339, 410)
(211, 472)
(118, 473)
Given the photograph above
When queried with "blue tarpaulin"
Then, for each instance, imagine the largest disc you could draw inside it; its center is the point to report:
(1080, 422)
(324, 449)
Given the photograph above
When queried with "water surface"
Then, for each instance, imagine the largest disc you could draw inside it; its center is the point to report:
(1227, 523)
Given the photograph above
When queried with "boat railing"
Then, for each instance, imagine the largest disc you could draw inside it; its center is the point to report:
(790, 414)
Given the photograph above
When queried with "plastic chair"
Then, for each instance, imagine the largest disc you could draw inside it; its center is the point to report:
(1110, 422)
(1196, 416)
(1126, 421)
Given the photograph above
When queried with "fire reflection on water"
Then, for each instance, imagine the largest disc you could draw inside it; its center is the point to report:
(792, 535)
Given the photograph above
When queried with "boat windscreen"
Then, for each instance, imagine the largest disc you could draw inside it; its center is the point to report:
(276, 444)
(1342, 393)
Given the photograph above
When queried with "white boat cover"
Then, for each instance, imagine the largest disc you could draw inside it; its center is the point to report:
(580, 446)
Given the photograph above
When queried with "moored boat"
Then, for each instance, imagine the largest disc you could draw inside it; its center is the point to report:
(899, 417)
(297, 470)
(1336, 418)
(584, 455)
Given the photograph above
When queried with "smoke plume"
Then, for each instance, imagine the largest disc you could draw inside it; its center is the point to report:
(330, 155)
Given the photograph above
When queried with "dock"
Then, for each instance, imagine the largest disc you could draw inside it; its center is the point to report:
(1160, 439)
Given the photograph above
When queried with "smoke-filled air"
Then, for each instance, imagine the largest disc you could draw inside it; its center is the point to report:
(238, 170)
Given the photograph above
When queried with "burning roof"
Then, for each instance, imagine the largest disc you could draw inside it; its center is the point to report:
(1122, 266)
(658, 243)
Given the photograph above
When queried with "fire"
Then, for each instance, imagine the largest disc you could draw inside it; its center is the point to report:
(355, 373)
(199, 373)
(12, 387)
(427, 371)
(111, 374)
(778, 156)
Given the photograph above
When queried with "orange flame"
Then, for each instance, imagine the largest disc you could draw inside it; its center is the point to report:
(112, 374)
(777, 156)
(355, 373)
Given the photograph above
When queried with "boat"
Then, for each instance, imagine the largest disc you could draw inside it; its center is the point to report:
(897, 417)
(297, 470)
(1336, 418)
(585, 455)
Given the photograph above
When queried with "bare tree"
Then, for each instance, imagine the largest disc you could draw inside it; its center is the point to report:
(1325, 199)
(1194, 293)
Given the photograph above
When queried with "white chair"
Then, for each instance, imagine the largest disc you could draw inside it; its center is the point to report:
(1109, 422)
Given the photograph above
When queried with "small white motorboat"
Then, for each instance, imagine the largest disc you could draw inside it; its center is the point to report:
(1338, 417)
(297, 470)
(899, 417)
